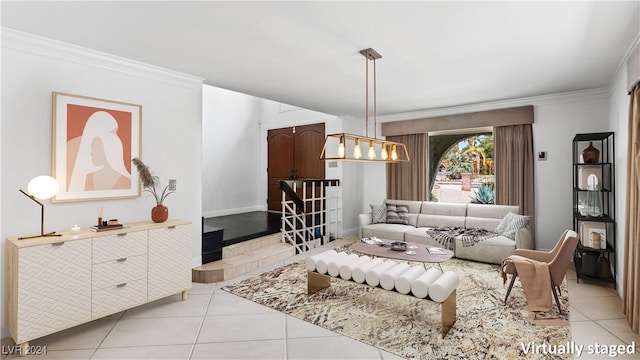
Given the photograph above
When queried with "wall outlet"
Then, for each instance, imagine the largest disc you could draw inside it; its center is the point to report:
(172, 185)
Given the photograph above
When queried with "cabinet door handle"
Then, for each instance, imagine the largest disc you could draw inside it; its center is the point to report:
(58, 243)
(171, 227)
(122, 260)
(123, 234)
(121, 285)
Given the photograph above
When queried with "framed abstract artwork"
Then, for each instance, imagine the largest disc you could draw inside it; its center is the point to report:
(94, 141)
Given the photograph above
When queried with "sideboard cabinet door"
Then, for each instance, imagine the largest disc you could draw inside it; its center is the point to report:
(54, 288)
(169, 261)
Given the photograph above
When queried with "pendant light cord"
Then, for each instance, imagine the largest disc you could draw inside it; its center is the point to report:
(366, 101)
(375, 103)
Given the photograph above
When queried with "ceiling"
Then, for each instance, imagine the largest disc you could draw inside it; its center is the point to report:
(434, 54)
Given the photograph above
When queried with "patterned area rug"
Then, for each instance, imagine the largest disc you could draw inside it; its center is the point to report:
(408, 326)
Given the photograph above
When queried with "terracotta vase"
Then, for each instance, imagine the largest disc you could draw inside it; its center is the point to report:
(590, 155)
(159, 213)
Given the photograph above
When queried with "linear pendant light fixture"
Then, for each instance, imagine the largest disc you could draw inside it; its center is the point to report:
(348, 147)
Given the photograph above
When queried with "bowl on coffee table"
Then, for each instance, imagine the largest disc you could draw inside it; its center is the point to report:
(398, 245)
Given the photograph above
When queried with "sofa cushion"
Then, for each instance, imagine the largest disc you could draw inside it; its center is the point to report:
(491, 211)
(419, 236)
(491, 250)
(426, 220)
(481, 223)
(393, 232)
(435, 214)
(397, 214)
(436, 208)
(378, 214)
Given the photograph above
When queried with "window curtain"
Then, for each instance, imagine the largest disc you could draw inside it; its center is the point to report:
(631, 269)
(513, 153)
(408, 180)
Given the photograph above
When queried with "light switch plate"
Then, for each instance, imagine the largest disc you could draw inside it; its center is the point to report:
(542, 155)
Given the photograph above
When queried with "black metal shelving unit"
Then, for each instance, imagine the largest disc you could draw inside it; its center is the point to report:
(595, 263)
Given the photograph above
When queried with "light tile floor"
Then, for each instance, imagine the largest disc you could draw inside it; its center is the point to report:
(213, 324)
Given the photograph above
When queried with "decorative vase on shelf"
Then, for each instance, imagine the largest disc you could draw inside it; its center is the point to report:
(159, 213)
(594, 197)
(591, 155)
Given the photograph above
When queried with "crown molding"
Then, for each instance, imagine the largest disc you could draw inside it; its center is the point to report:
(559, 98)
(42, 46)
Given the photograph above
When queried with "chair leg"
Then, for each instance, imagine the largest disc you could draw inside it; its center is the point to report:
(513, 279)
(555, 295)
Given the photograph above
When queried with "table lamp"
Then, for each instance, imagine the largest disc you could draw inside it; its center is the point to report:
(42, 188)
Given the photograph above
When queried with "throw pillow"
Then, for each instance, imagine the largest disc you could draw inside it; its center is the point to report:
(517, 223)
(511, 223)
(504, 223)
(378, 214)
(397, 214)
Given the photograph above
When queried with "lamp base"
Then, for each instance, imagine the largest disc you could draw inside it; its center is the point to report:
(53, 233)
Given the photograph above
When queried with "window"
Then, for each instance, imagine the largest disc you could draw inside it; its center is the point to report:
(461, 168)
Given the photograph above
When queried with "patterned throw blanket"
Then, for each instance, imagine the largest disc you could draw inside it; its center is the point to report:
(446, 236)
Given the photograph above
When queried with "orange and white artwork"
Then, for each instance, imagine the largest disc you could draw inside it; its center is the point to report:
(94, 142)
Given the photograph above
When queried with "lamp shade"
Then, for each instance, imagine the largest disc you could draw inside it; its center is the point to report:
(43, 187)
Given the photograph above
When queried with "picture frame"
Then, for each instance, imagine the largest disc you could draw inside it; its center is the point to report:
(94, 141)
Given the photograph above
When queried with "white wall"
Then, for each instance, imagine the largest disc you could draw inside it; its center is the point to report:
(353, 180)
(374, 186)
(554, 128)
(232, 153)
(619, 123)
(32, 68)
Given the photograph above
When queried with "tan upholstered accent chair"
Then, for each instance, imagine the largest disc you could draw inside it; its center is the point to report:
(559, 259)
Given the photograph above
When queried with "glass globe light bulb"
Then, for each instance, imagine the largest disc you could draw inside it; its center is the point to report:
(384, 155)
(43, 187)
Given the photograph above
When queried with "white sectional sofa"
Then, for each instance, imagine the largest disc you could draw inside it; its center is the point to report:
(425, 214)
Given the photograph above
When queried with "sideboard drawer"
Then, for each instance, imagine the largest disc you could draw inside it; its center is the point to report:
(113, 272)
(119, 246)
(118, 297)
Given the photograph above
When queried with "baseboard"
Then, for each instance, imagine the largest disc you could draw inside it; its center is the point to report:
(349, 232)
(214, 213)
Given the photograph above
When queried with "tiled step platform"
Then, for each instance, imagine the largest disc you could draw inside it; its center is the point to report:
(244, 257)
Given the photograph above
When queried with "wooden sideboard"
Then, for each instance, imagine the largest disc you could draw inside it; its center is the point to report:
(54, 283)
